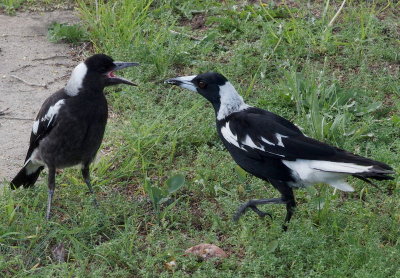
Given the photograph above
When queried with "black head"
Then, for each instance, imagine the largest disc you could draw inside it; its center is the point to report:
(206, 84)
(100, 63)
(97, 72)
(215, 88)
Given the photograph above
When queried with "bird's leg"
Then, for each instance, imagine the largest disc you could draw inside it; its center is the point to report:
(52, 186)
(86, 177)
(252, 204)
(290, 207)
(288, 197)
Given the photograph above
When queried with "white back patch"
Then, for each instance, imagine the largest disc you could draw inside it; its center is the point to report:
(76, 79)
(231, 101)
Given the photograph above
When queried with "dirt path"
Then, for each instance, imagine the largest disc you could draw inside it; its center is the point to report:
(31, 69)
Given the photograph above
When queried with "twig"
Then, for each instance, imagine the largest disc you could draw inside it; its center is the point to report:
(56, 79)
(4, 112)
(16, 118)
(25, 36)
(21, 68)
(184, 35)
(29, 83)
(85, 45)
(49, 58)
(336, 14)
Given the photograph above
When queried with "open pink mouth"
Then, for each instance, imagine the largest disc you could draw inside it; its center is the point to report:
(111, 74)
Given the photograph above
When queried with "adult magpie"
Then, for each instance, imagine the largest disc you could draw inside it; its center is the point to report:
(70, 125)
(274, 149)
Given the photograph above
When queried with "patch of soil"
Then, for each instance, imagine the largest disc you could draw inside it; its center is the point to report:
(198, 22)
(31, 69)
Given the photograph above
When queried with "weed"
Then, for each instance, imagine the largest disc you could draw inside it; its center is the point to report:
(10, 6)
(60, 32)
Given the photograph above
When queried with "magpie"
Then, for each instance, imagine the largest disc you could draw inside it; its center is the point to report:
(70, 125)
(274, 149)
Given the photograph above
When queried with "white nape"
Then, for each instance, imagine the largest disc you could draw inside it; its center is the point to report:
(75, 82)
(308, 172)
(231, 101)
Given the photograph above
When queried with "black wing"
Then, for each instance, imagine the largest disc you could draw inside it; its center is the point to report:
(263, 134)
(46, 119)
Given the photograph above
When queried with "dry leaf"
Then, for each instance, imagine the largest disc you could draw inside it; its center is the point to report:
(170, 265)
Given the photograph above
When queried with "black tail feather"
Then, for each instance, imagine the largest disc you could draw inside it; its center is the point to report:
(368, 181)
(379, 172)
(22, 178)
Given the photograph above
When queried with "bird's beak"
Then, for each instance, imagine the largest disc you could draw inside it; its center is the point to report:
(183, 81)
(112, 79)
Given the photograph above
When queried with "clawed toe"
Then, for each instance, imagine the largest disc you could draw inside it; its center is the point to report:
(242, 209)
(260, 213)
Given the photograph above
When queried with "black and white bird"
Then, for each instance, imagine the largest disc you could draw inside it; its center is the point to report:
(274, 149)
(70, 125)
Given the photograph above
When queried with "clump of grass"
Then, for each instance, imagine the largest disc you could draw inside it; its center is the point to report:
(61, 32)
(10, 6)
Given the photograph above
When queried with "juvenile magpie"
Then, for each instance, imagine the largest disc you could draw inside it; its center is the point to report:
(70, 125)
(274, 149)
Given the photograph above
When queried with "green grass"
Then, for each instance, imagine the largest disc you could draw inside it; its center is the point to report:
(61, 32)
(339, 83)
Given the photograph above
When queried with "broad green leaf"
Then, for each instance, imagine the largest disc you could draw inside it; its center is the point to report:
(271, 247)
(175, 182)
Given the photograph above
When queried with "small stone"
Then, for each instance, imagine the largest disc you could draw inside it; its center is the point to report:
(207, 251)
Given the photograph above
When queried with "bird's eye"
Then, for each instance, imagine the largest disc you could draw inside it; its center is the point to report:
(202, 84)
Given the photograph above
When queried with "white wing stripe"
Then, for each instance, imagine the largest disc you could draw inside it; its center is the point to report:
(35, 126)
(279, 137)
(52, 112)
(266, 141)
(231, 138)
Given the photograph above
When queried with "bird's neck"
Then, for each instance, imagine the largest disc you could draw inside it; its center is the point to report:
(75, 82)
(230, 101)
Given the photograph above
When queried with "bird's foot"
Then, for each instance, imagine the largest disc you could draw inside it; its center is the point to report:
(252, 204)
(95, 203)
(242, 209)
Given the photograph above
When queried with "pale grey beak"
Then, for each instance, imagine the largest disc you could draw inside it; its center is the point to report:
(183, 82)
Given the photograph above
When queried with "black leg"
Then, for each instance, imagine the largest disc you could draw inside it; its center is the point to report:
(288, 196)
(86, 177)
(52, 186)
(252, 204)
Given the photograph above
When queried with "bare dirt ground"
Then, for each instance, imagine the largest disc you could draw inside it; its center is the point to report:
(31, 68)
